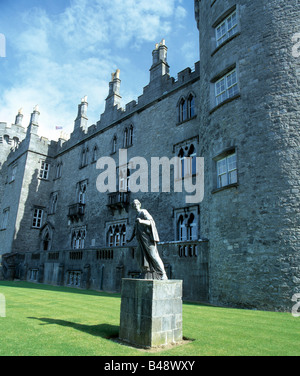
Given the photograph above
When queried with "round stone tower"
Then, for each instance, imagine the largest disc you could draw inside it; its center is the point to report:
(249, 132)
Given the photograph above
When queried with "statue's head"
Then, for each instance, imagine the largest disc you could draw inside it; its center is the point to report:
(136, 204)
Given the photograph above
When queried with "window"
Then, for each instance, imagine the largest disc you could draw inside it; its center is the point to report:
(53, 202)
(74, 278)
(58, 170)
(187, 157)
(125, 143)
(226, 29)
(181, 233)
(84, 157)
(5, 219)
(187, 224)
(116, 235)
(78, 238)
(130, 139)
(37, 218)
(95, 152)
(182, 110)
(227, 170)
(44, 170)
(46, 241)
(82, 187)
(191, 106)
(13, 173)
(123, 179)
(186, 108)
(226, 87)
(114, 144)
(191, 228)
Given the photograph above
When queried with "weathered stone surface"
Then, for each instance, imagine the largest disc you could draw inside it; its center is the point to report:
(151, 312)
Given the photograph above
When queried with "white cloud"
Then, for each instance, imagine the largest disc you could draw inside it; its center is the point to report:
(65, 58)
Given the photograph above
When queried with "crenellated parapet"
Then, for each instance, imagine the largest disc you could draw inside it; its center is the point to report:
(161, 85)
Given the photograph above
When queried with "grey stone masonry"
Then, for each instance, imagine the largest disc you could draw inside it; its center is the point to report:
(151, 312)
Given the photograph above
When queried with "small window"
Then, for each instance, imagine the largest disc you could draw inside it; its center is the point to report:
(191, 228)
(82, 187)
(188, 157)
(84, 157)
(5, 219)
(78, 238)
(37, 218)
(187, 224)
(130, 139)
(226, 87)
(123, 235)
(191, 106)
(181, 229)
(95, 152)
(44, 170)
(116, 235)
(226, 29)
(182, 110)
(58, 170)
(227, 170)
(114, 145)
(53, 202)
(13, 173)
(125, 143)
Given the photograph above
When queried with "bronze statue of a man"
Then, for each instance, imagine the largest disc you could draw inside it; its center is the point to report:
(146, 234)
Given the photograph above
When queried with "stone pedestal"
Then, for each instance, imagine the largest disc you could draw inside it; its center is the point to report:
(151, 312)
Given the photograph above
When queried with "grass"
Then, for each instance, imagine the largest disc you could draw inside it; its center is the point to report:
(45, 320)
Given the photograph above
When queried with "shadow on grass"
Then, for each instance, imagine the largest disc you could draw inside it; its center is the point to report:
(106, 331)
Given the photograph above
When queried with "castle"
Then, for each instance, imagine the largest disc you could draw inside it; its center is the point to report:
(238, 109)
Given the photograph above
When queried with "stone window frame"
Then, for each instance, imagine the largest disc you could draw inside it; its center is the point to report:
(128, 137)
(227, 85)
(186, 108)
(58, 172)
(81, 191)
(227, 30)
(53, 202)
(37, 217)
(185, 146)
(14, 170)
(78, 237)
(5, 218)
(218, 22)
(95, 153)
(44, 171)
(221, 156)
(115, 234)
(186, 214)
(84, 156)
(114, 144)
(223, 75)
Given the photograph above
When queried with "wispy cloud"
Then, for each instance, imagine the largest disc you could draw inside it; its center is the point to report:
(65, 57)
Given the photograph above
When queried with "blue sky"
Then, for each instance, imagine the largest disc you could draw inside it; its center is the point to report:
(58, 51)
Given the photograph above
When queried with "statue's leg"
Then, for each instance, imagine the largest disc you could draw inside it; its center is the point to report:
(156, 262)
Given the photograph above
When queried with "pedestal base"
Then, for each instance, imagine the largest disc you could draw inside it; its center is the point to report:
(151, 312)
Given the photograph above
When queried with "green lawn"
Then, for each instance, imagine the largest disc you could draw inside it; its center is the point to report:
(47, 320)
